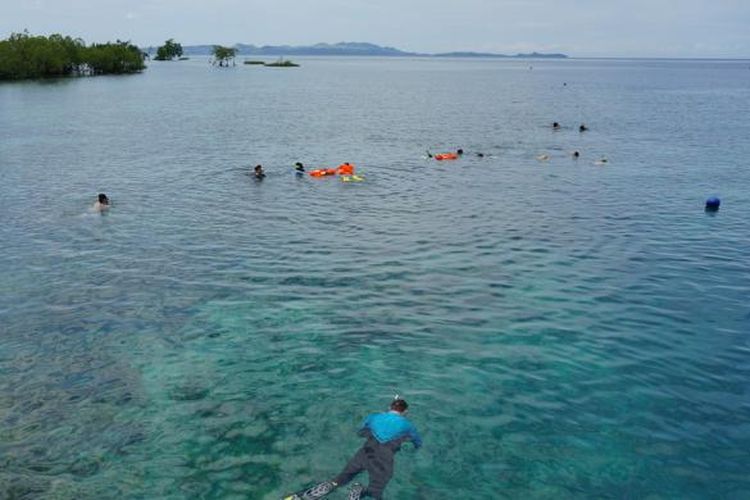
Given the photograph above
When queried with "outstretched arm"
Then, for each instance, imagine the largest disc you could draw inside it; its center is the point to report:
(364, 429)
(415, 437)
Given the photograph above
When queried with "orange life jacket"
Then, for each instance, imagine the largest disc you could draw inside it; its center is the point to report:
(346, 169)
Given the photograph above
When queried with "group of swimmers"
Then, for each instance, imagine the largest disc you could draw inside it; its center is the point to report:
(259, 174)
(451, 156)
(102, 203)
(345, 171)
(575, 154)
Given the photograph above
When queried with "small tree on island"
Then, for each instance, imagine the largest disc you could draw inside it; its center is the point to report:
(222, 55)
(168, 51)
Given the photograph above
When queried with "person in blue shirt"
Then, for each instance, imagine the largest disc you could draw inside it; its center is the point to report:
(385, 433)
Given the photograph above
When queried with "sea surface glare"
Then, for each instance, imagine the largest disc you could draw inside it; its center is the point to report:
(561, 329)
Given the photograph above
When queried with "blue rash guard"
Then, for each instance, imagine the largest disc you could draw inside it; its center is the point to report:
(391, 426)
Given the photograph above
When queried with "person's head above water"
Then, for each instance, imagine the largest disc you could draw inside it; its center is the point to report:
(103, 199)
(459, 151)
(299, 166)
(399, 405)
(258, 168)
(555, 125)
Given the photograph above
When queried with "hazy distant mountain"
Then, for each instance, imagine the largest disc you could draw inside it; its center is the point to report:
(531, 55)
(323, 49)
(344, 49)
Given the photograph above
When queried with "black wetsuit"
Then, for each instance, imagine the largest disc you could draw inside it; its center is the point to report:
(377, 459)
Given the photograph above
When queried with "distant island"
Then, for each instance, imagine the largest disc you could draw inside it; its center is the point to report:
(350, 49)
(279, 63)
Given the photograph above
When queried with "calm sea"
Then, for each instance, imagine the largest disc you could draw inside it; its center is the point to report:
(561, 329)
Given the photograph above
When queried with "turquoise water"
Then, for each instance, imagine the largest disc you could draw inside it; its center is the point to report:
(560, 329)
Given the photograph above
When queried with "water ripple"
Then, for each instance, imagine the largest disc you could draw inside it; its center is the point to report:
(562, 330)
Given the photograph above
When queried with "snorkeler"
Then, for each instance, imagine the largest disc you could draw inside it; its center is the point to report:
(101, 203)
(385, 433)
(299, 168)
(259, 173)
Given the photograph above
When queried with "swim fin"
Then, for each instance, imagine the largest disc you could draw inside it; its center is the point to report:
(355, 492)
(313, 493)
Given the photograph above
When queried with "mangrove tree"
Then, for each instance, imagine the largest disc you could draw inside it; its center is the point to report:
(24, 56)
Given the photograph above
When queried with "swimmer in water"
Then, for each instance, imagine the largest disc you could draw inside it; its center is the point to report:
(102, 203)
(459, 151)
(576, 155)
(480, 155)
(299, 168)
(582, 128)
(259, 173)
(385, 433)
(555, 126)
(602, 161)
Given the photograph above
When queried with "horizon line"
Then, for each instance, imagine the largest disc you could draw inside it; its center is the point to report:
(408, 53)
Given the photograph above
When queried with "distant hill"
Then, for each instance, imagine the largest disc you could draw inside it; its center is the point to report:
(344, 49)
(531, 55)
(323, 49)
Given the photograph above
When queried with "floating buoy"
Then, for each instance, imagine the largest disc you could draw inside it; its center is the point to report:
(713, 204)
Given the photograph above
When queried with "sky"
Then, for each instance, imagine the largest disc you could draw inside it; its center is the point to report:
(579, 28)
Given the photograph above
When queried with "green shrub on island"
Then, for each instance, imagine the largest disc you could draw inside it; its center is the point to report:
(168, 51)
(113, 59)
(23, 56)
(281, 63)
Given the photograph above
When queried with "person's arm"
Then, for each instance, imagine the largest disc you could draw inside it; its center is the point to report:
(364, 429)
(415, 437)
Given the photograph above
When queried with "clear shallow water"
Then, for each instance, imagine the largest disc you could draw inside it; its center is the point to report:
(562, 330)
